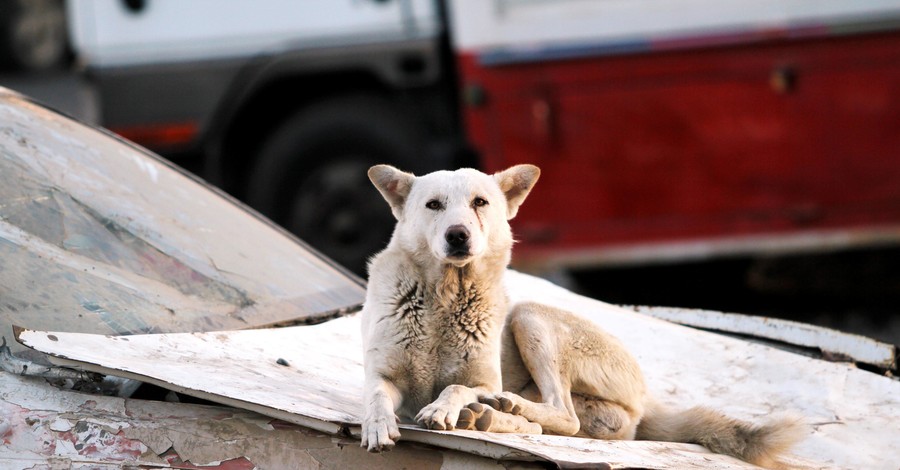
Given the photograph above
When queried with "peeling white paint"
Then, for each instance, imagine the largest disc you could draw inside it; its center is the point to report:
(63, 447)
(60, 425)
(152, 433)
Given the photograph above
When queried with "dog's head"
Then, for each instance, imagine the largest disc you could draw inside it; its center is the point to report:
(456, 216)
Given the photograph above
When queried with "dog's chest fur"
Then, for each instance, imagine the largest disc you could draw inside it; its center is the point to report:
(442, 328)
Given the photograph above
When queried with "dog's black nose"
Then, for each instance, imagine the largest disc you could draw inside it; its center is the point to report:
(457, 236)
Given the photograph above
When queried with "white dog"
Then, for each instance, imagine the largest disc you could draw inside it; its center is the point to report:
(436, 325)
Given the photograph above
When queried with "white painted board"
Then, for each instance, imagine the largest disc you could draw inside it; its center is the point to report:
(854, 414)
(99, 236)
(851, 346)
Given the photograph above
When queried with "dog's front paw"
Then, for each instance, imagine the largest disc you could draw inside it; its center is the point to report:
(379, 433)
(504, 401)
(482, 417)
(438, 415)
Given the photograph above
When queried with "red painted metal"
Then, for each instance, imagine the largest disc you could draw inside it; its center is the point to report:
(784, 136)
(161, 137)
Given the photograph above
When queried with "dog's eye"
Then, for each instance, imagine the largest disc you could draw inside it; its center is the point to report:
(434, 205)
(479, 202)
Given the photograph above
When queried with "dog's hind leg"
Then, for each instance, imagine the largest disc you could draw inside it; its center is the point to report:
(536, 341)
(601, 419)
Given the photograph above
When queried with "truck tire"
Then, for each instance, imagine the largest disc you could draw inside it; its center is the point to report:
(310, 174)
(32, 34)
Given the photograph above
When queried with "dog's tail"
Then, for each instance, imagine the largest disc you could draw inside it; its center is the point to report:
(759, 444)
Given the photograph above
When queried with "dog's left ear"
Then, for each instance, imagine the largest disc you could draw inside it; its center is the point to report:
(516, 182)
(393, 184)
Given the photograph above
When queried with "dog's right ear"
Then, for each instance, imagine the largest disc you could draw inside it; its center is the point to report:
(393, 184)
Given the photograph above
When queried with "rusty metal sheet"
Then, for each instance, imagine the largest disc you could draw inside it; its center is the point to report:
(854, 414)
(97, 235)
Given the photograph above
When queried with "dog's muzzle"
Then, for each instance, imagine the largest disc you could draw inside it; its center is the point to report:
(457, 238)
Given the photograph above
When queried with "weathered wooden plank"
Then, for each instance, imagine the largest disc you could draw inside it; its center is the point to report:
(321, 388)
(855, 415)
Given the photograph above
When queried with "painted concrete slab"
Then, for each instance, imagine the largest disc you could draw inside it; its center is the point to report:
(854, 415)
(42, 427)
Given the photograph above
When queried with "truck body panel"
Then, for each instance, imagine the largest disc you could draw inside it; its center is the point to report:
(656, 132)
(665, 130)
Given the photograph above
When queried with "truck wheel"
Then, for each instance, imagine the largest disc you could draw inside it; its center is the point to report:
(310, 175)
(32, 34)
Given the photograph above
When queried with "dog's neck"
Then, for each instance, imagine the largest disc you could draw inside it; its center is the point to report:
(482, 278)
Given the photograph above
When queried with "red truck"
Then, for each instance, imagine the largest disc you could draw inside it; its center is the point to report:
(666, 130)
